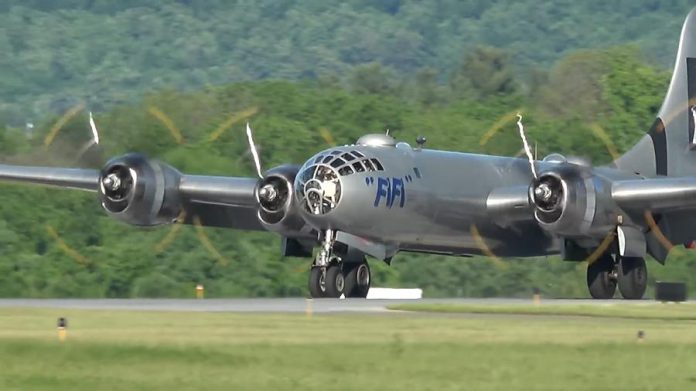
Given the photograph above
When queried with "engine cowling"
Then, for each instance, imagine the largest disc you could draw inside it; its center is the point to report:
(571, 200)
(140, 191)
(277, 203)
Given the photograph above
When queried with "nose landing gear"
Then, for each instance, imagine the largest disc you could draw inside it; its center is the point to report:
(334, 276)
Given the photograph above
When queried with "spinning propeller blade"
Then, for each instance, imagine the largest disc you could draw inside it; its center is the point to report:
(254, 151)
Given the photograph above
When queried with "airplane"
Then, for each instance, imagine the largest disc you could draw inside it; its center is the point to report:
(379, 197)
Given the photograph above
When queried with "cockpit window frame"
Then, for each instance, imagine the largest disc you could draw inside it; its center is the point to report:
(347, 162)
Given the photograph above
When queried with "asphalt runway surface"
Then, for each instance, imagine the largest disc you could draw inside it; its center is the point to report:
(284, 305)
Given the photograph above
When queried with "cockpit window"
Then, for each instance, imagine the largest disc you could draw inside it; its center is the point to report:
(377, 164)
(368, 165)
(337, 163)
(347, 162)
(345, 170)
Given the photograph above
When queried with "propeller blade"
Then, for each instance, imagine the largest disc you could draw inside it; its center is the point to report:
(89, 144)
(61, 123)
(254, 151)
(242, 115)
(168, 123)
(527, 150)
(327, 136)
(95, 133)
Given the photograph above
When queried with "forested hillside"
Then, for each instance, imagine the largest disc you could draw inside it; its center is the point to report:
(54, 54)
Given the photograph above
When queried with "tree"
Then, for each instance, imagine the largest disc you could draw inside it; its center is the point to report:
(484, 72)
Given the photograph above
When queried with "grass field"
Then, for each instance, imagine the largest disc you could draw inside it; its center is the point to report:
(630, 310)
(404, 351)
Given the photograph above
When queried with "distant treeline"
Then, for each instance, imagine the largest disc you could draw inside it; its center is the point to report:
(54, 54)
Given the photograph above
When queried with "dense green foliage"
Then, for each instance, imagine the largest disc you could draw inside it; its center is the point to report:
(59, 243)
(56, 53)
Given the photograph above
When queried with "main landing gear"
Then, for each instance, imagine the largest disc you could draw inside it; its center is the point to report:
(334, 276)
(629, 274)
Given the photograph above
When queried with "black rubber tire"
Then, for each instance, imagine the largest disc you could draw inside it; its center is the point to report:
(335, 282)
(358, 279)
(317, 287)
(349, 269)
(600, 280)
(633, 278)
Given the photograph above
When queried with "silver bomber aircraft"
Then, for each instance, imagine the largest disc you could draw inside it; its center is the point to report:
(379, 197)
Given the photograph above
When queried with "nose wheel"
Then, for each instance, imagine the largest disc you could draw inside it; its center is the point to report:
(334, 281)
(326, 282)
(332, 276)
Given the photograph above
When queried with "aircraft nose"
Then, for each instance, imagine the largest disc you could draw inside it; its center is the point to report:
(318, 189)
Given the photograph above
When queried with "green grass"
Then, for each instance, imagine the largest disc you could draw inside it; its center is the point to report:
(641, 310)
(210, 351)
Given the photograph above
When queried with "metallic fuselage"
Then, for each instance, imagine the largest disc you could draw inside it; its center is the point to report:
(444, 207)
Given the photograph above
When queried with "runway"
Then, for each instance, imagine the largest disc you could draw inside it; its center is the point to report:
(282, 305)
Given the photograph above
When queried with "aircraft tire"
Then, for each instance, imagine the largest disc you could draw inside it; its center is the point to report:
(335, 283)
(633, 278)
(600, 278)
(358, 279)
(317, 285)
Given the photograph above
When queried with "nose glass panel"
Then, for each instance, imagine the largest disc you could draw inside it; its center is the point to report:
(318, 189)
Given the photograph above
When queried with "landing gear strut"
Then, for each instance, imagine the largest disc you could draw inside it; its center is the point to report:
(334, 276)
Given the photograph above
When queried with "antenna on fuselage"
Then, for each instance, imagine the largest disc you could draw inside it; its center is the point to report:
(420, 141)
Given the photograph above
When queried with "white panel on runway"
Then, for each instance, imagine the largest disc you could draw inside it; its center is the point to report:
(394, 294)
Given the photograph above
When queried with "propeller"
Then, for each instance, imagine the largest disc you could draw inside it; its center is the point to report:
(176, 134)
(479, 240)
(270, 194)
(546, 191)
(114, 183)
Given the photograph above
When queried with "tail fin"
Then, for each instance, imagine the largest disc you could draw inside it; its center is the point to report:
(669, 148)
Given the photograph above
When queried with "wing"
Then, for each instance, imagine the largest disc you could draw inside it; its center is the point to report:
(658, 194)
(225, 202)
(74, 178)
(217, 201)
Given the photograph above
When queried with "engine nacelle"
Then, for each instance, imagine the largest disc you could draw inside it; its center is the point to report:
(278, 211)
(140, 191)
(572, 201)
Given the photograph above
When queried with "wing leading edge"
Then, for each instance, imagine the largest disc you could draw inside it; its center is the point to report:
(217, 201)
(74, 178)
